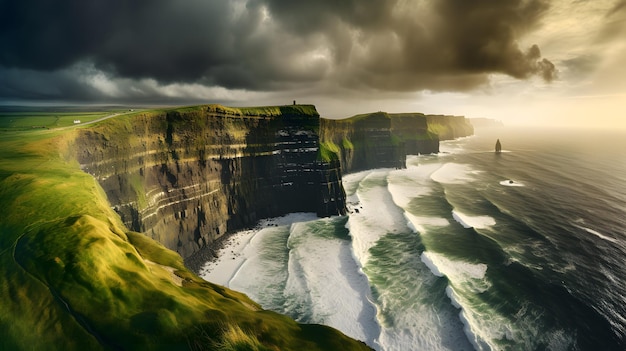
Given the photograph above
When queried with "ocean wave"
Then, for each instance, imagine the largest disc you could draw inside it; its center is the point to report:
(457, 271)
(419, 224)
(478, 222)
(339, 298)
(453, 173)
(596, 233)
(378, 214)
(407, 184)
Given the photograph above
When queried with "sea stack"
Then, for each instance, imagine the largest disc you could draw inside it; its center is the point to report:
(498, 147)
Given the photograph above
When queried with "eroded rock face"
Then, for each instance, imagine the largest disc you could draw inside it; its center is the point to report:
(412, 129)
(383, 139)
(449, 127)
(186, 177)
(364, 142)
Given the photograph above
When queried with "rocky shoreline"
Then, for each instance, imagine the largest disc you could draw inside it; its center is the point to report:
(209, 253)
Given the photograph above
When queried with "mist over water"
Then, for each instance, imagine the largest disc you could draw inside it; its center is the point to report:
(462, 250)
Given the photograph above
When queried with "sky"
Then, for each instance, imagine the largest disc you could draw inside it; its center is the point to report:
(556, 63)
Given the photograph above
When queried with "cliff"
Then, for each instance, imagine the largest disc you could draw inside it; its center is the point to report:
(449, 127)
(383, 140)
(74, 278)
(187, 176)
(413, 129)
(362, 142)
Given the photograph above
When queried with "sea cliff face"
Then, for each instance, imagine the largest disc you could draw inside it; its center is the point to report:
(363, 142)
(412, 129)
(449, 127)
(185, 177)
(383, 140)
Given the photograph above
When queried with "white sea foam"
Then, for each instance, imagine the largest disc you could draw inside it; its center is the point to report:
(430, 264)
(420, 224)
(405, 191)
(324, 270)
(510, 182)
(453, 173)
(290, 265)
(454, 147)
(378, 215)
(484, 328)
(472, 335)
(596, 233)
(482, 325)
(351, 181)
(239, 248)
(413, 182)
(410, 322)
(456, 271)
(407, 324)
(230, 259)
(479, 222)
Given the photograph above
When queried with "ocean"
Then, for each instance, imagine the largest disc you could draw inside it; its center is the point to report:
(463, 250)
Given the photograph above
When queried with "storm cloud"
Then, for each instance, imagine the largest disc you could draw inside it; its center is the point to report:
(83, 49)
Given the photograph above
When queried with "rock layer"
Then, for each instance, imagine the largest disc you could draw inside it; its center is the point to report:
(185, 177)
(383, 140)
(363, 142)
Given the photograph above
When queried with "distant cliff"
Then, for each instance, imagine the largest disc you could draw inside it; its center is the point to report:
(413, 130)
(187, 176)
(383, 140)
(362, 142)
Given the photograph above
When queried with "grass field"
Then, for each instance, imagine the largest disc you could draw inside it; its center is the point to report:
(74, 278)
(43, 120)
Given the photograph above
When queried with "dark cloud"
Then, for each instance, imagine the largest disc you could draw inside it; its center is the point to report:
(159, 38)
(394, 45)
(33, 85)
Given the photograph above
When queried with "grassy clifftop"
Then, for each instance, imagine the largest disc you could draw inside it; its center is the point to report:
(73, 277)
(265, 111)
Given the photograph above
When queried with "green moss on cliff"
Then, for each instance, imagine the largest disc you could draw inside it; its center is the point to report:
(438, 129)
(347, 144)
(328, 151)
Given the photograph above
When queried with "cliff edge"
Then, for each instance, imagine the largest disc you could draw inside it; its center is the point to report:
(187, 176)
(382, 140)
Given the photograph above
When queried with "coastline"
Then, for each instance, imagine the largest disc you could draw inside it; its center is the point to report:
(209, 253)
(219, 262)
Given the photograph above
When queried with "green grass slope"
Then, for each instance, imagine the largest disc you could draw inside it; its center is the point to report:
(12, 121)
(73, 278)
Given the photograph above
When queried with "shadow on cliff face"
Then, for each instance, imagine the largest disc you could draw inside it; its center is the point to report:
(280, 172)
(186, 177)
